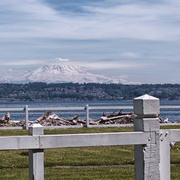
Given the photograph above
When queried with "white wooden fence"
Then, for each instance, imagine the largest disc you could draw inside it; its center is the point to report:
(151, 152)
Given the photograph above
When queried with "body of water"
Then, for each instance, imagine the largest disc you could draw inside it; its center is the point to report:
(171, 114)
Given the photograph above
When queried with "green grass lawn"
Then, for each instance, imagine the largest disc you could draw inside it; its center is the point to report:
(15, 166)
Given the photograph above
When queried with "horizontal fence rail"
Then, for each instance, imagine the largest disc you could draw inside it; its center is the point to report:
(11, 109)
(75, 140)
(169, 107)
(80, 108)
(174, 135)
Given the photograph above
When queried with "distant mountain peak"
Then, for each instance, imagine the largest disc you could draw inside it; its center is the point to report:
(55, 73)
(60, 69)
(66, 73)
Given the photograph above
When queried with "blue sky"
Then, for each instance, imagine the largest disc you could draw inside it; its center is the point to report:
(137, 40)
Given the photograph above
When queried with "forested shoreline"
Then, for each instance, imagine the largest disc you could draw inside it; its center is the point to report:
(91, 91)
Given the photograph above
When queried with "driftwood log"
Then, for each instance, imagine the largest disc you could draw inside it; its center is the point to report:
(117, 118)
(45, 115)
(5, 119)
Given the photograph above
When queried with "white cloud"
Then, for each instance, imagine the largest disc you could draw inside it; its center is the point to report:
(105, 65)
(21, 63)
(142, 21)
(61, 60)
(58, 61)
(95, 65)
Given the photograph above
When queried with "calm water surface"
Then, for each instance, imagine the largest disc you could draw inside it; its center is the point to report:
(171, 114)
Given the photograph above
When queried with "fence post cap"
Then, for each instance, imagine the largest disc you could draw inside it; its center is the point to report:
(146, 106)
(35, 129)
(35, 125)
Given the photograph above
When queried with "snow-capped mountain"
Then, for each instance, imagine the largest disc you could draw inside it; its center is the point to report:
(54, 73)
(66, 73)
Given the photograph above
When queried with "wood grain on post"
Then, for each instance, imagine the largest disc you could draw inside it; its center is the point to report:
(36, 156)
(147, 157)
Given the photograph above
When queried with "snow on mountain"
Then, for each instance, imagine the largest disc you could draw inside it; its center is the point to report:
(54, 73)
(66, 73)
(9, 76)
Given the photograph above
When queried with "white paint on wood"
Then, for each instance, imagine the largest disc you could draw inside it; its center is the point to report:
(146, 106)
(96, 139)
(74, 140)
(147, 157)
(36, 156)
(26, 117)
(164, 155)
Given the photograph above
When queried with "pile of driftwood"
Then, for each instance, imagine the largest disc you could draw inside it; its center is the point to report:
(5, 121)
(48, 119)
(53, 120)
(115, 118)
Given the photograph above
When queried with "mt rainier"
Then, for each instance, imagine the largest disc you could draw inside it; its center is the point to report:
(54, 73)
(66, 73)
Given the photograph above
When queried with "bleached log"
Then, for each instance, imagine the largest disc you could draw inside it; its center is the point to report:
(45, 115)
(116, 117)
(75, 117)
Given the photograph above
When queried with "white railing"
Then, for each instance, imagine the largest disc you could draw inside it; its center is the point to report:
(87, 109)
(151, 144)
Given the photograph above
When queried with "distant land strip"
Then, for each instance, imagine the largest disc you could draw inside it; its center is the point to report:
(40, 91)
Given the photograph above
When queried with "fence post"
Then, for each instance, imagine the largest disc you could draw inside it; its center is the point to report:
(87, 115)
(26, 117)
(36, 156)
(147, 157)
(165, 155)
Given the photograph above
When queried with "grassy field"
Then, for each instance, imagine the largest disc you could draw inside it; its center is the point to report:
(112, 162)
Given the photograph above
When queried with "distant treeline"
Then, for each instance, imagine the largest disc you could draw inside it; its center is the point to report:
(73, 91)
